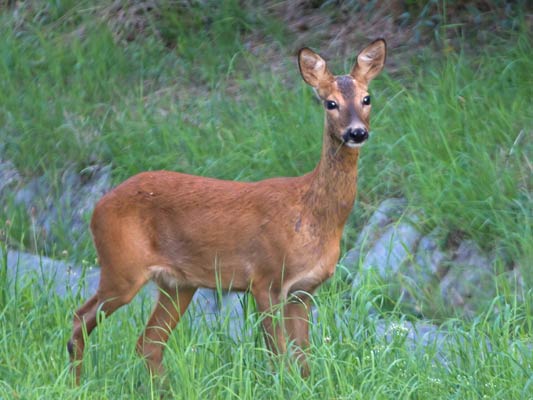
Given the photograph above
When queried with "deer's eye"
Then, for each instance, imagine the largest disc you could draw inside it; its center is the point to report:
(366, 100)
(331, 105)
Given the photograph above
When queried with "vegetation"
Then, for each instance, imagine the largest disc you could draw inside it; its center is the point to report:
(211, 88)
(355, 354)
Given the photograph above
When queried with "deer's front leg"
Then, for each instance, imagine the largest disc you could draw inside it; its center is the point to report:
(267, 301)
(296, 321)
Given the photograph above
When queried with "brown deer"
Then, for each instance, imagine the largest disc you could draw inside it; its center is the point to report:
(277, 238)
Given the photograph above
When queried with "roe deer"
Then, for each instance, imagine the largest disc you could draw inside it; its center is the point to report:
(278, 238)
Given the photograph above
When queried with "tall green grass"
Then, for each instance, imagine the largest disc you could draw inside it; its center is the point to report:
(356, 353)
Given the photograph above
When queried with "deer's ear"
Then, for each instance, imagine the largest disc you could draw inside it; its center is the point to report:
(313, 68)
(370, 61)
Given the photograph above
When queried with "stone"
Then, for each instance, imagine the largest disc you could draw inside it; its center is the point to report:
(415, 334)
(425, 269)
(81, 192)
(395, 247)
(419, 271)
(385, 244)
(387, 211)
(66, 209)
(430, 258)
(469, 282)
(217, 308)
(47, 273)
(9, 177)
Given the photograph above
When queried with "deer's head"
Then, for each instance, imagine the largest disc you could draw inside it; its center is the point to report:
(345, 97)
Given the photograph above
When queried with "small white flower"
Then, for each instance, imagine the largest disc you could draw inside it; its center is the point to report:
(435, 381)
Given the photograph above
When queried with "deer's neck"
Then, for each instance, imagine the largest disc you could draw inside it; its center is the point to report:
(333, 184)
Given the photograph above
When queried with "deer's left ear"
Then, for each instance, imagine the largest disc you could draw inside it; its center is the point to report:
(370, 61)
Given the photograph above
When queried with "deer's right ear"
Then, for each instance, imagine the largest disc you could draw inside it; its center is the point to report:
(313, 68)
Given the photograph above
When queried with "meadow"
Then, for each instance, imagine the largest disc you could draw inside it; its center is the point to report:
(221, 96)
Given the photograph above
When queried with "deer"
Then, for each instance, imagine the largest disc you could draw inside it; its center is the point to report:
(278, 238)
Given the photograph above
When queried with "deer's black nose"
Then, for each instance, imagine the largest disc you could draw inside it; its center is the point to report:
(357, 135)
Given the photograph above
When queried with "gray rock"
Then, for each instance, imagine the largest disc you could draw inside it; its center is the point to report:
(9, 176)
(430, 258)
(469, 253)
(37, 198)
(388, 211)
(414, 334)
(66, 209)
(211, 301)
(417, 268)
(470, 279)
(49, 274)
(384, 245)
(419, 276)
(80, 194)
(424, 271)
(395, 247)
(219, 308)
(36, 188)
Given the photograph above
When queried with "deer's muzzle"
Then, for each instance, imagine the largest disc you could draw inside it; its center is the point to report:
(355, 137)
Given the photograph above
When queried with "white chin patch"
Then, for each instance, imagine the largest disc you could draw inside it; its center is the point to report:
(353, 145)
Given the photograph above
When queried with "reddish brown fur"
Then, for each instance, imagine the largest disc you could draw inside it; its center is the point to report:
(277, 238)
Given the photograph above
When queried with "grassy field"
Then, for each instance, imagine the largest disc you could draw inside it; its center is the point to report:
(452, 132)
(490, 357)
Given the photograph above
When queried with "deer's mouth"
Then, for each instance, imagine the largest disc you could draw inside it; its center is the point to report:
(353, 145)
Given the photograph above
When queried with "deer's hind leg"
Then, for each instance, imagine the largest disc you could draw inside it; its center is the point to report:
(114, 291)
(171, 305)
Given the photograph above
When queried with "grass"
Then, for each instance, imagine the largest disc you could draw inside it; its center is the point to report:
(351, 356)
(214, 90)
